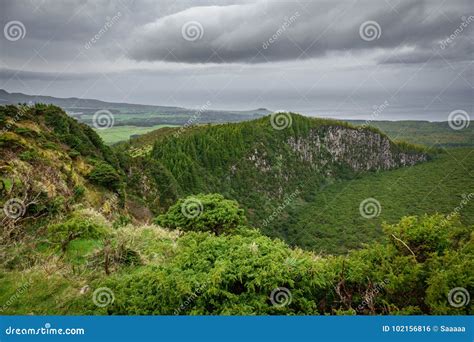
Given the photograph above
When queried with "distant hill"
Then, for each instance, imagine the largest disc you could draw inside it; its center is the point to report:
(134, 114)
(140, 119)
(427, 133)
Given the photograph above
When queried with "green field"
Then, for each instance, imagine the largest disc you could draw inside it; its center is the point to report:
(331, 222)
(120, 133)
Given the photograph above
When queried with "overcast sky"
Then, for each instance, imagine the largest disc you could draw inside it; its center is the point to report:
(377, 59)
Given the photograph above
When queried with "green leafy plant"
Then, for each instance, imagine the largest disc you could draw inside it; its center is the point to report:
(75, 227)
(204, 212)
(104, 174)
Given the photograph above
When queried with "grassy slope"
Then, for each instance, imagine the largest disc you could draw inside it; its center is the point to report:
(122, 133)
(331, 221)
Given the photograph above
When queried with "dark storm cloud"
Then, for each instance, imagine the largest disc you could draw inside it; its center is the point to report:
(274, 31)
(238, 31)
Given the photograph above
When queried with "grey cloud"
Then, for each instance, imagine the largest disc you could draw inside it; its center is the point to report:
(25, 75)
(317, 65)
(253, 33)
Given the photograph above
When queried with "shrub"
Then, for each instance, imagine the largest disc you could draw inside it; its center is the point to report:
(78, 192)
(227, 274)
(210, 212)
(421, 235)
(74, 153)
(121, 221)
(29, 156)
(104, 174)
(26, 132)
(75, 227)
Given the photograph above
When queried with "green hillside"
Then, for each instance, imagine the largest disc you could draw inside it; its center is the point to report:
(330, 220)
(257, 165)
(88, 229)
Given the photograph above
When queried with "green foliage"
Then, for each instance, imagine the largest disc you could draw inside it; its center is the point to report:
(237, 274)
(78, 192)
(420, 235)
(248, 161)
(25, 132)
(213, 264)
(220, 275)
(75, 227)
(122, 220)
(437, 134)
(104, 174)
(210, 212)
(29, 155)
(329, 220)
(74, 153)
(11, 141)
(117, 133)
(150, 182)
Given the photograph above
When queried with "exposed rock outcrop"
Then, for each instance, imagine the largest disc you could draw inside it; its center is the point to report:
(361, 150)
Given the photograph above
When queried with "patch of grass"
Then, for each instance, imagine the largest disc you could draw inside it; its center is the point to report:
(120, 133)
(79, 249)
(34, 293)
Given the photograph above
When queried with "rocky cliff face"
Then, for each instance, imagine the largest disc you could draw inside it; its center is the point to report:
(361, 150)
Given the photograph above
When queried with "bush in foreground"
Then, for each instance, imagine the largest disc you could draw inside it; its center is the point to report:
(203, 212)
(252, 274)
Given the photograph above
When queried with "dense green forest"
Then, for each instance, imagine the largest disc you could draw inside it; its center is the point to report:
(230, 219)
